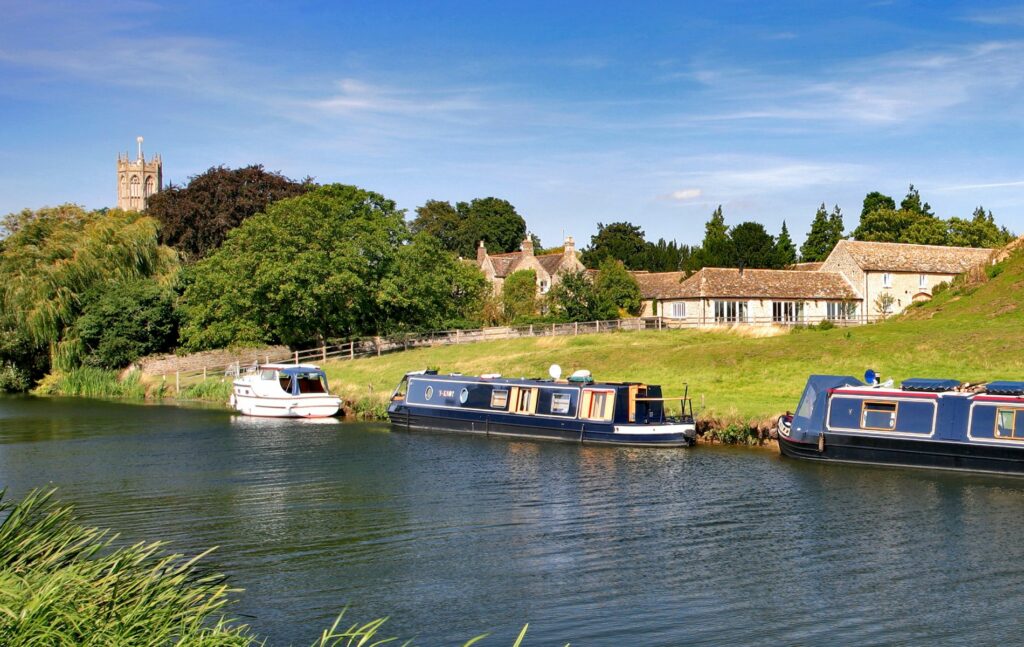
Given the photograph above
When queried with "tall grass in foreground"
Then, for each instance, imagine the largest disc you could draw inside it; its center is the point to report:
(65, 584)
(91, 382)
(214, 390)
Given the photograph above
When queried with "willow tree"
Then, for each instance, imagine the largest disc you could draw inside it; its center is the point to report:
(54, 257)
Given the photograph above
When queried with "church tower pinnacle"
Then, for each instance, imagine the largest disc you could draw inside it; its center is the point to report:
(138, 179)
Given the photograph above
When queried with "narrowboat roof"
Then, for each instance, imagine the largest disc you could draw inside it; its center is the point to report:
(456, 377)
(936, 386)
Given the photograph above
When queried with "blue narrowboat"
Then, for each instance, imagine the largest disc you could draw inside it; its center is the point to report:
(933, 423)
(577, 409)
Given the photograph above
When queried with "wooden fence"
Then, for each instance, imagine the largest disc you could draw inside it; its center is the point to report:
(377, 346)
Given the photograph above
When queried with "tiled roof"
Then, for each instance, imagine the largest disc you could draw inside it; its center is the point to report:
(550, 262)
(900, 257)
(504, 264)
(806, 267)
(712, 282)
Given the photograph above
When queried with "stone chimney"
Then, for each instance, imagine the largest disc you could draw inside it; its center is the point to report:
(481, 252)
(570, 247)
(527, 245)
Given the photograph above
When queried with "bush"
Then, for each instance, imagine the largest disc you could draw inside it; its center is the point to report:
(126, 322)
(992, 271)
(13, 379)
(940, 288)
(825, 324)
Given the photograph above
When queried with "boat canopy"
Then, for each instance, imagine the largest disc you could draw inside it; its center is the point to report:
(810, 413)
(301, 370)
(1005, 388)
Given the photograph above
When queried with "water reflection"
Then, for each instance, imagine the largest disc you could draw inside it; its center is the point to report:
(451, 535)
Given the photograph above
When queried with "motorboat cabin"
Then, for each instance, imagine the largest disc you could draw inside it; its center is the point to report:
(576, 409)
(936, 423)
(284, 391)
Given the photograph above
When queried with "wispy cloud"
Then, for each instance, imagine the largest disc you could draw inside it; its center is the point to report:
(683, 195)
(999, 16)
(354, 96)
(986, 185)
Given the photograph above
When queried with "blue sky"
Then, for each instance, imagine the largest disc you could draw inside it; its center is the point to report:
(577, 113)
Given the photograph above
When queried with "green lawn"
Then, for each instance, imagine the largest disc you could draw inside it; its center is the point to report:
(971, 333)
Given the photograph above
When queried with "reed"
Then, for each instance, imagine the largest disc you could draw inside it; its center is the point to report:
(62, 583)
(91, 382)
(212, 390)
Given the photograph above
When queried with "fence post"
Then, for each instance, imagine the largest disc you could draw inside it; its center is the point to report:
(659, 322)
(575, 327)
(323, 352)
(376, 342)
(296, 358)
(597, 326)
(177, 382)
(531, 330)
(352, 349)
(552, 330)
(204, 374)
(458, 336)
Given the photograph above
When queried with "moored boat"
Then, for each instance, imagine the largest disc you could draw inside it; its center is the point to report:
(284, 391)
(576, 409)
(934, 423)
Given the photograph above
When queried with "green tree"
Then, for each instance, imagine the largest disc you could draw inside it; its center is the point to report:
(753, 245)
(615, 284)
(666, 256)
(519, 295)
(440, 220)
(717, 249)
(125, 322)
(57, 256)
(912, 203)
(574, 298)
(622, 241)
(196, 218)
(492, 220)
(785, 249)
(826, 231)
(876, 201)
(884, 225)
(330, 263)
(980, 231)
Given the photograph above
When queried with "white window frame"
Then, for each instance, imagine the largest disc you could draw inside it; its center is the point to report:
(840, 310)
(787, 311)
(922, 281)
(729, 311)
(678, 310)
(886, 279)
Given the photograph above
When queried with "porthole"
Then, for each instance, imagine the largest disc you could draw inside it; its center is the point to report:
(429, 393)
(463, 395)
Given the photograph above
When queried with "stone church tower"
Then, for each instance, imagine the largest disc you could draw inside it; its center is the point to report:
(138, 179)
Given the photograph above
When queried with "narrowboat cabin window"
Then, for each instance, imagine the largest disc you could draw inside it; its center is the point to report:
(560, 403)
(878, 415)
(464, 395)
(526, 401)
(499, 398)
(597, 405)
(1009, 424)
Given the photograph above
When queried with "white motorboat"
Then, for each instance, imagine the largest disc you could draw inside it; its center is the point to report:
(284, 391)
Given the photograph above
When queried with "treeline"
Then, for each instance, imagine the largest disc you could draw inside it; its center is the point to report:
(749, 244)
(249, 257)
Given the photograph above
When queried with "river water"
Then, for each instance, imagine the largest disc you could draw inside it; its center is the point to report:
(454, 535)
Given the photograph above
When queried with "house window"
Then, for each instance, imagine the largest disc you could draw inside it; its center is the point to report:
(560, 403)
(840, 310)
(787, 311)
(922, 281)
(878, 415)
(1009, 424)
(678, 310)
(886, 280)
(544, 287)
(730, 311)
(499, 398)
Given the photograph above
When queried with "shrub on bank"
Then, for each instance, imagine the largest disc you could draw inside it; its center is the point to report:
(92, 382)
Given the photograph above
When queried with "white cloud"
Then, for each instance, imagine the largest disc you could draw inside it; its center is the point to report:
(1004, 16)
(989, 185)
(682, 195)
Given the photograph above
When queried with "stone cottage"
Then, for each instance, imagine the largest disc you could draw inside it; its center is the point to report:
(549, 267)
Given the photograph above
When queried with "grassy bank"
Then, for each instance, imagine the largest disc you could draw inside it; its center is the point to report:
(969, 332)
(62, 583)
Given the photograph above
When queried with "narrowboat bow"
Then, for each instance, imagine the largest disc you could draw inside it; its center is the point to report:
(932, 423)
(577, 409)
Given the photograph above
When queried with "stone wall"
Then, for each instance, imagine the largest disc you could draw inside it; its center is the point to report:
(169, 364)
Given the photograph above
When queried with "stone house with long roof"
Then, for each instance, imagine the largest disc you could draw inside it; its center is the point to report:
(549, 267)
(843, 288)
